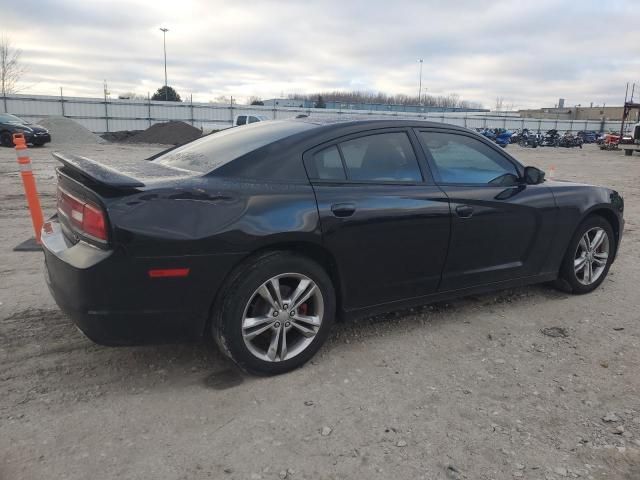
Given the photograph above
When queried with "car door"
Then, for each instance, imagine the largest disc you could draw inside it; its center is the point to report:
(383, 219)
(501, 228)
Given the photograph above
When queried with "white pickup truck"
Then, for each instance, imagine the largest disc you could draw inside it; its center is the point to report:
(630, 147)
(245, 119)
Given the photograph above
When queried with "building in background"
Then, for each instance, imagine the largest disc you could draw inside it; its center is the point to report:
(578, 112)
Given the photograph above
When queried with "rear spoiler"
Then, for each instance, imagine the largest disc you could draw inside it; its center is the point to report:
(123, 174)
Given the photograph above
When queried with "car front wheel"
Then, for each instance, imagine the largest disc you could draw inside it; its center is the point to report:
(589, 256)
(6, 139)
(275, 313)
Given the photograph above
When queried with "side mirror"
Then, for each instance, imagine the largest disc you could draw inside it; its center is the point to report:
(533, 175)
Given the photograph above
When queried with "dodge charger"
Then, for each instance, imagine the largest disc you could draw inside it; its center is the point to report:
(262, 235)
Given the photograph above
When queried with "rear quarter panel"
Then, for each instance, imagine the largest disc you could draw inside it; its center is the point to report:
(210, 216)
(210, 225)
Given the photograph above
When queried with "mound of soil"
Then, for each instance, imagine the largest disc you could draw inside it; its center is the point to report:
(66, 131)
(120, 136)
(168, 133)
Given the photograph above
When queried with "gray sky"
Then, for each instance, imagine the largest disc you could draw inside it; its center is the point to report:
(529, 52)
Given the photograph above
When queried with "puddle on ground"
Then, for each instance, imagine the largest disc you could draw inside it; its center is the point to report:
(224, 379)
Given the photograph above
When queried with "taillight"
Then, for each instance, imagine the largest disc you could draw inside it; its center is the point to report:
(84, 217)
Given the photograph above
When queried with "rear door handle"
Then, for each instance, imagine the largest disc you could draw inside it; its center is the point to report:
(464, 211)
(343, 209)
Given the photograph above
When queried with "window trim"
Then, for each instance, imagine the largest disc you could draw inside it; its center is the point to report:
(434, 167)
(423, 168)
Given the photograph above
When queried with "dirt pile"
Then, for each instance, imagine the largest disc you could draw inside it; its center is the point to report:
(168, 133)
(121, 136)
(66, 131)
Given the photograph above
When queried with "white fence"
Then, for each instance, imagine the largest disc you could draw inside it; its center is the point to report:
(110, 115)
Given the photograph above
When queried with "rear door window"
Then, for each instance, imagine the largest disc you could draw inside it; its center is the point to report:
(381, 157)
(328, 164)
(242, 119)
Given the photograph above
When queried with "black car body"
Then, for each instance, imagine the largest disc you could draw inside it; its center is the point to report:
(176, 228)
(34, 134)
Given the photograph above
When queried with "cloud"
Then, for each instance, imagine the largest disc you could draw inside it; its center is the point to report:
(530, 53)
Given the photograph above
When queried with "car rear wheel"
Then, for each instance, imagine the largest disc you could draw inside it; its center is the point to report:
(275, 313)
(589, 256)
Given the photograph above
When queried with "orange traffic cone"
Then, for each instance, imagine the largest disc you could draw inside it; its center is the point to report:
(29, 182)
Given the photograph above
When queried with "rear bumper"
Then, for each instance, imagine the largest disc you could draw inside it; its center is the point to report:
(112, 299)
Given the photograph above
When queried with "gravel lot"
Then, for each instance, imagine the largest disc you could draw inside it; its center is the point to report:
(470, 389)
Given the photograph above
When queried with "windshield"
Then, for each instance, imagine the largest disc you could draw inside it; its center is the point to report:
(8, 118)
(213, 151)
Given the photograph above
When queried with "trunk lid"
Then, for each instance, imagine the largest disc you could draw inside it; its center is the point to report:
(120, 174)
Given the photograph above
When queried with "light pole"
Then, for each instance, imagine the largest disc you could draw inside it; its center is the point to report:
(164, 43)
(420, 84)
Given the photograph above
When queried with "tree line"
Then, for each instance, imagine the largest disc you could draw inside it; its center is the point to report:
(452, 100)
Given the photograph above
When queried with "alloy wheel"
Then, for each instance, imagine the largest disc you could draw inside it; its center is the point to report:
(591, 256)
(282, 317)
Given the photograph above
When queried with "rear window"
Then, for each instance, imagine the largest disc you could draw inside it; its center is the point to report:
(213, 151)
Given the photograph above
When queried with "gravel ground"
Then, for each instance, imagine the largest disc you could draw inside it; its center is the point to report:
(470, 389)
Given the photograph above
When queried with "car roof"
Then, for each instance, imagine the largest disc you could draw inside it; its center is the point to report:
(375, 122)
(339, 126)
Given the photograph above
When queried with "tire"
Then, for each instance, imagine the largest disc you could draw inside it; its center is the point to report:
(240, 300)
(569, 280)
(6, 139)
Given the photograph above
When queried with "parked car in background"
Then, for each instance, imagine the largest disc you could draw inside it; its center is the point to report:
(34, 134)
(246, 119)
(503, 138)
(500, 136)
(569, 140)
(527, 139)
(263, 235)
(551, 139)
(588, 136)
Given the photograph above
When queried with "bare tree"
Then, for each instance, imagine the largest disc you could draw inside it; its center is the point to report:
(499, 103)
(11, 68)
(253, 100)
(381, 98)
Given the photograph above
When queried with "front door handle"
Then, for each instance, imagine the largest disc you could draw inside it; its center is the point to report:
(343, 209)
(464, 211)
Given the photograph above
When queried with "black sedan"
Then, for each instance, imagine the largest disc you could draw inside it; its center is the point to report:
(35, 135)
(265, 233)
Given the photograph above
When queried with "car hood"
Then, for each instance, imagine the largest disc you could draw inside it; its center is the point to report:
(35, 127)
(27, 126)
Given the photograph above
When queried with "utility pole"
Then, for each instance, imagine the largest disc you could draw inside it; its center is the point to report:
(164, 43)
(106, 108)
(420, 85)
